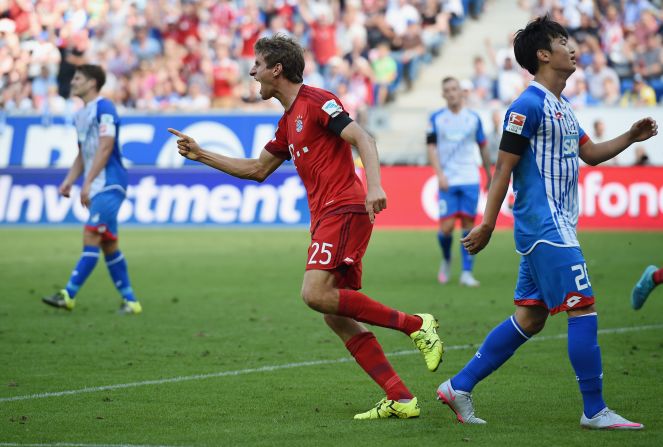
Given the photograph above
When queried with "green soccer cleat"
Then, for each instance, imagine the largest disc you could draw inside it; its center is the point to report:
(391, 409)
(130, 308)
(428, 342)
(60, 300)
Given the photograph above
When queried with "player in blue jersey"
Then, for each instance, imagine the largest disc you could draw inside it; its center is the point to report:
(452, 137)
(103, 191)
(541, 144)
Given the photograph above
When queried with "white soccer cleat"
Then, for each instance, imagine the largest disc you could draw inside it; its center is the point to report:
(467, 280)
(444, 272)
(460, 403)
(607, 419)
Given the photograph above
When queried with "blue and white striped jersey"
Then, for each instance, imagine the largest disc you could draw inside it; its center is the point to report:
(545, 180)
(456, 136)
(99, 119)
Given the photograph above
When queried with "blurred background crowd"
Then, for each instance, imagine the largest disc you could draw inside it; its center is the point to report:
(191, 55)
(188, 55)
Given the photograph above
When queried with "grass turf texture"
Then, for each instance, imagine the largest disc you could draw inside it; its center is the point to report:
(228, 300)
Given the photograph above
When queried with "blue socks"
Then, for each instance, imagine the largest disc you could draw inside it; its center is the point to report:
(445, 245)
(468, 259)
(497, 348)
(585, 356)
(85, 265)
(117, 267)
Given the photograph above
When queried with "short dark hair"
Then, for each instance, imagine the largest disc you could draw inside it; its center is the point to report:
(282, 49)
(449, 79)
(537, 35)
(93, 72)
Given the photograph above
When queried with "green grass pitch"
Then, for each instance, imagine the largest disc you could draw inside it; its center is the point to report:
(227, 354)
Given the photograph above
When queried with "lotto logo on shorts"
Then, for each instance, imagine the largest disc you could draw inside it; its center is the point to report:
(516, 123)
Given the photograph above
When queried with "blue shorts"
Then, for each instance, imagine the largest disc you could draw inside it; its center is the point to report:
(458, 201)
(103, 214)
(555, 278)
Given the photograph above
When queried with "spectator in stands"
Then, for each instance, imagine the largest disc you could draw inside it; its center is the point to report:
(482, 82)
(434, 27)
(312, 75)
(41, 86)
(640, 94)
(385, 71)
(494, 136)
(143, 45)
(596, 73)
(224, 76)
(641, 157)
(412, 52)
(599, 131)
(323, 34)
(612, 95)
(649, 58)
(509, 82)
(196, 100)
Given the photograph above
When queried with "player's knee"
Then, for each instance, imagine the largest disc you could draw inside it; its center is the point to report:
(533, 326)
(316, 297)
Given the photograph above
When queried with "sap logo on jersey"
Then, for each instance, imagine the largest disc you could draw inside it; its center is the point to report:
(516, 123)
(570, 144)
(332, 108)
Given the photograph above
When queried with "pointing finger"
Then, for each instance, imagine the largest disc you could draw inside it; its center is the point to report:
(177, 133)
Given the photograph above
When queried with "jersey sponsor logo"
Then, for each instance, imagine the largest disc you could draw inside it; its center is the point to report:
(299, 124)
(570, 144)
(332, 108)
(516, 123)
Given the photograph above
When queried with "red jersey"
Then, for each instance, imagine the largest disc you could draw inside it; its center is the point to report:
(322, 158)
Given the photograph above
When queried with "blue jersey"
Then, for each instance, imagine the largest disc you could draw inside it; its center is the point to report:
(456, 136)
(545, 180)
(99, 119)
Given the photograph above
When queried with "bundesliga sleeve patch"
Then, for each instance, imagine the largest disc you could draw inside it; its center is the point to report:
(106, 125)
(516, 123)
(332, 108)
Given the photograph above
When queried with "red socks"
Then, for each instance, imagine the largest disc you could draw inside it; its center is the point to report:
(359, 307)
(658, 276)
(368, 353)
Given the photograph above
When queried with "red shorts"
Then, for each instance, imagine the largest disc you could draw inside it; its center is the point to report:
(338, 242)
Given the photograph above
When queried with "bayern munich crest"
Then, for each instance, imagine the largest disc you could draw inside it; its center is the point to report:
(299, 124)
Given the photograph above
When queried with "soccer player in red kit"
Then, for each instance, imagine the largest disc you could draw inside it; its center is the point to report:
(317, 133)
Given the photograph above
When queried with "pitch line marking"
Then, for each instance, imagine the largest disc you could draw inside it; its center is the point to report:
(67, 444)
(271, 368)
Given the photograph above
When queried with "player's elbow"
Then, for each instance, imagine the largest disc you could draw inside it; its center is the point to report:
(590, 161)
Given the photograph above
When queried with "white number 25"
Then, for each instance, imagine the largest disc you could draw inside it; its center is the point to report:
(323, 251)
(582, 278)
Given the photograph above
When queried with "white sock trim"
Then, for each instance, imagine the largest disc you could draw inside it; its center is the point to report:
(513, 321)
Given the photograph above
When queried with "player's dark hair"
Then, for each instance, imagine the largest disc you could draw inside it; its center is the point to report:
(280, 49)
(93, 72)
(537, 35)
(448, 79)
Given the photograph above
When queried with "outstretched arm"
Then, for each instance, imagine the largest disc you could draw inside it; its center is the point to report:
(376, 199)
(595, 153)
(257, 169)
(480, 235)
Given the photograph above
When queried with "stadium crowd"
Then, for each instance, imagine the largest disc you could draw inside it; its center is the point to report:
(619, 55)
(164, 55)
(188, 55)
